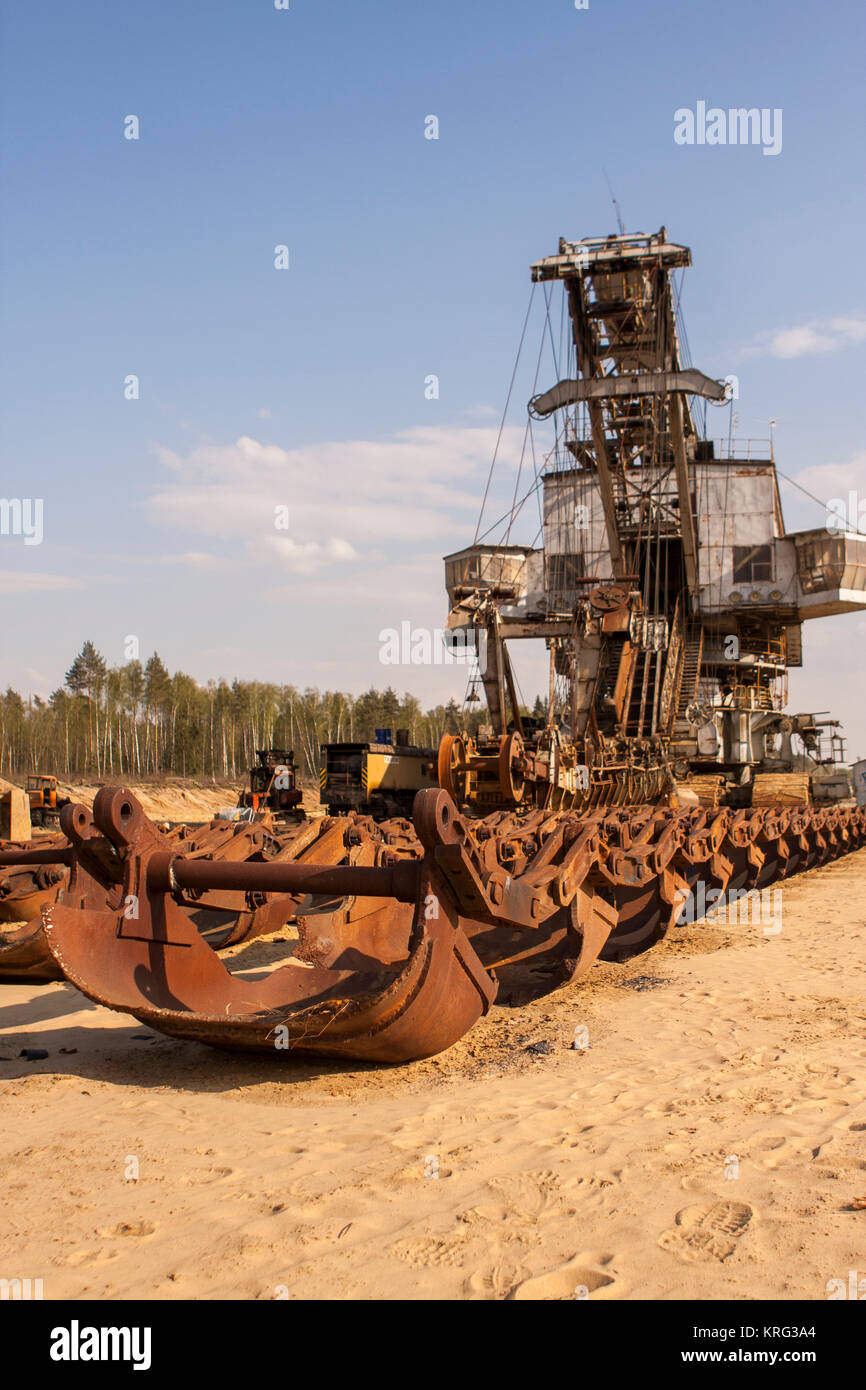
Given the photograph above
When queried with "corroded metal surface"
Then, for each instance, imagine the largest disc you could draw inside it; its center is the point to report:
(405, 934)
(37, 875)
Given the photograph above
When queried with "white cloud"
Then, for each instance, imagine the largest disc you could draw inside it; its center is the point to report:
(307, 557)
(368, 524)
(809, 339)
(835, 479)
(345, 500)
(413, 589)
(21, 582)
(194, 559)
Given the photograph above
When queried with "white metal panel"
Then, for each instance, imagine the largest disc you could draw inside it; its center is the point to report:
(574, 521)
(736, 506)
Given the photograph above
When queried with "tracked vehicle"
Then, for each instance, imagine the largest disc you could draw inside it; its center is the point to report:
(45, 806)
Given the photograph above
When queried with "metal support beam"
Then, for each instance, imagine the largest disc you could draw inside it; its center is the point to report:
(687, 520)
(691, 382)
(605, 486)
(493, 677)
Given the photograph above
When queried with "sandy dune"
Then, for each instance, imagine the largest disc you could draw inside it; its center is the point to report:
(708, 1142)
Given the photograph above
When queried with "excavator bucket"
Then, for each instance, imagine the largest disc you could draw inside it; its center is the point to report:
(42, 877)
(400, 986)
(401, 947)
(25, 890)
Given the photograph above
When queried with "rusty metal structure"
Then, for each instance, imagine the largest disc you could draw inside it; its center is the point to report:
(667, 591)
(273, 793)
(403, 945)
(48, 872)
(670, 599)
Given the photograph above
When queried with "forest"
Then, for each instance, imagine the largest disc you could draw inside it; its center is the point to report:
(138, 721)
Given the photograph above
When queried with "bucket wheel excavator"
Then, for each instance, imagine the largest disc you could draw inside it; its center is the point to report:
(670, 601)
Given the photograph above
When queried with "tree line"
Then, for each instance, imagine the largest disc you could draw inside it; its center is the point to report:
(140, 721)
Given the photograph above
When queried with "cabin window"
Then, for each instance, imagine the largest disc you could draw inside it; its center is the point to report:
(752, 563)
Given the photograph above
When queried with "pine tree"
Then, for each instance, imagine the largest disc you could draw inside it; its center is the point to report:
(157, 695)
(86, 677)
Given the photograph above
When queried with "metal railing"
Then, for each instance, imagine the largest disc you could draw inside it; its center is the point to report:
(742, 450)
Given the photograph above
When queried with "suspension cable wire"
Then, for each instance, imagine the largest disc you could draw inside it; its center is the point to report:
(539, 477)
(504, 413)
(679, 319)
(557, 358)
(853, 530)
(473, 679)
(511, 514)
(547, 298)
(527, 433)
(505, 515)
(521, 698)
(566, 345)
(697, 405)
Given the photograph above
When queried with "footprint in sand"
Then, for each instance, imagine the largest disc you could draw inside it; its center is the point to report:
(496, 1277)
(432, 1250)
(767, 1142)
(528, 1196)
(423, 1170)
(708, 1232)
(579, 1278)
(91, 1259)
(207, 1175)
(128, 1228)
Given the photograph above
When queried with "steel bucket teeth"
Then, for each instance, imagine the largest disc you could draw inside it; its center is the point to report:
(403, 935)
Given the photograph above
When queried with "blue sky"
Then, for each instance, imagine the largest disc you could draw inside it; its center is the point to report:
(408, 257)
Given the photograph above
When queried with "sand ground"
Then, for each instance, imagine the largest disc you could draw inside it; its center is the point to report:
(708, 1142)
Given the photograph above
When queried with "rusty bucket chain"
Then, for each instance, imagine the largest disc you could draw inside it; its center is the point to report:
(404, 935)
(32, 878)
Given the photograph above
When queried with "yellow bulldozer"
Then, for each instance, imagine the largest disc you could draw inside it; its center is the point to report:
(45, 807)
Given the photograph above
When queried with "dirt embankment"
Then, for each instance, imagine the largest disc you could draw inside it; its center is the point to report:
(171, 798)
